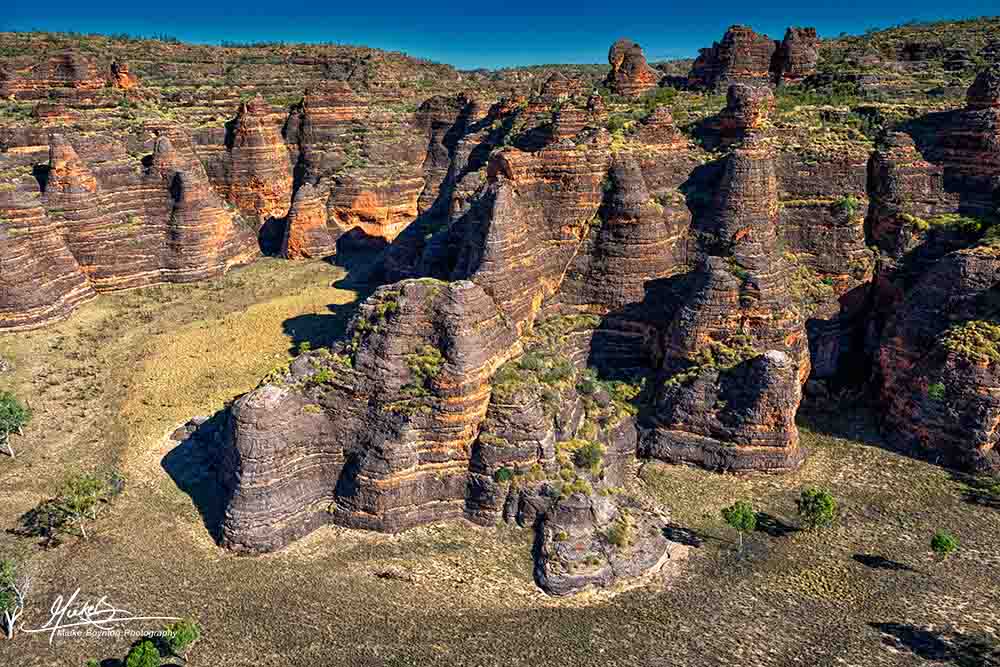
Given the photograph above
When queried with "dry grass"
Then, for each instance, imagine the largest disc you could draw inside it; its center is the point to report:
(109, 383)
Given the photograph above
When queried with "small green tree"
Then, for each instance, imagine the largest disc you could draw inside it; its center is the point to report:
(181, 635)
(143, 654)
(817, 508)
(13, 418)
(15, 584)
(741, 516)
(943, 544)
(79, 498)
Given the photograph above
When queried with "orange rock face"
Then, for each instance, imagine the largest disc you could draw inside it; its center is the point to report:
(102, 224)
(40, 280)
(630, 75)
(67, 74)
(307, 235)
(121, 78)
(257, 170)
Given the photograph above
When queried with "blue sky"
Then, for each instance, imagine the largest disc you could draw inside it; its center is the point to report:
(468, 34)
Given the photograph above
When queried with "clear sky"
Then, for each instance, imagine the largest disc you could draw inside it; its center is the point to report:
(471, 33)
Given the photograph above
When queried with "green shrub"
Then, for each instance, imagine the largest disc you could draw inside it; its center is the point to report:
(181, 635)
(742, 517)
(143, 654)
(589, 456)
(943, 544)
(79, 501)
(425, 365)
(976, 340)
(13, 418)
(503, 475)
(849, 205)
(620, 532)
(817, 508)
(936, 391)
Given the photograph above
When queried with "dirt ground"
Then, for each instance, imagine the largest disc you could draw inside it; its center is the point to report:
(108, 385)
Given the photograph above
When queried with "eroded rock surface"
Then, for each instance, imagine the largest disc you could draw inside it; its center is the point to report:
(630, 75)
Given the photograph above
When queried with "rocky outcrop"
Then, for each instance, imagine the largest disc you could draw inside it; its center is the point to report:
(940, 363)
(592, 541)
(40, 280)
(67, 75)
(736, 351)
(744, 56)
(256, 173)
(747, 111)
(376, 434)
(659, 129)
(121, 78)
(797, 56)
(104, 225)
(630, 76)
(630, 244)
(307, 234)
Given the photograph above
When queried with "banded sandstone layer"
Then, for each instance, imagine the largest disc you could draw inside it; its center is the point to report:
(584, 277)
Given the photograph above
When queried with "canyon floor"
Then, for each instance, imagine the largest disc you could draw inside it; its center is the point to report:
(114, 380)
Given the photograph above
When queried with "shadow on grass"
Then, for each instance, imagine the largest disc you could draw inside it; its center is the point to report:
(955, 648)
(324, 329)
(979, 490)
(773, 526)
(685, 536)
(881, 563)
(193, 465)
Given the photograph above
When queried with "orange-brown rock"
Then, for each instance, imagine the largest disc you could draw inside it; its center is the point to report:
(121, 78)
(395, 411)
(256, 172)
(67, 74)
(40, 280)
(736, 352)
(743, 56)
(797, 55)
(659, 129)
(630, 75)
(307, 235)
(938, 366)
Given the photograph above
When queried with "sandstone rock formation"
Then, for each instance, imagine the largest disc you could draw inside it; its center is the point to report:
(257, 173)
(736, 351)
(590, 541)
(104, 225)
(307, 234)
(121, 78)
(798, 54)
(744, 56)
(67, 74)
(376, 434)
(40, 280)
(630, 76)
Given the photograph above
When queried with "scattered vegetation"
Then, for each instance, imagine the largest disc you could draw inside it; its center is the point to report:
(590, 456)
(817, 508)
(79, 501)
(15, 585)
(182, 635)
(622, 532)
(717, 355)
(936, 391)
(943, 544)
(741, 517)
(13, 418)
(975, 340)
